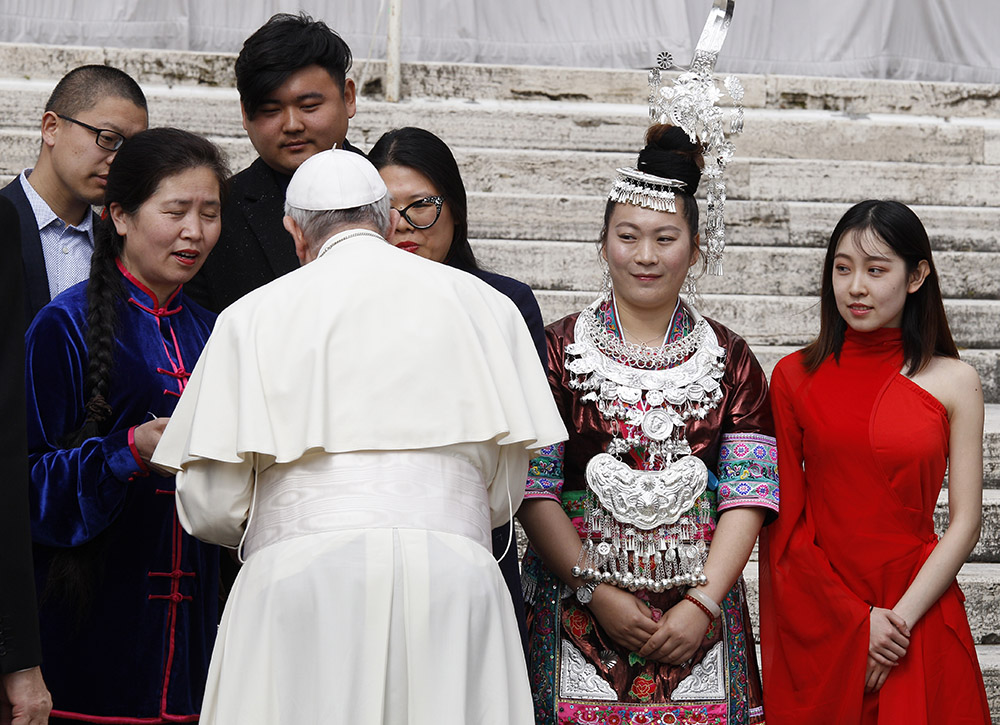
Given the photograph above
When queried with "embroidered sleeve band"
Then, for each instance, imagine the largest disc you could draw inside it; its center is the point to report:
(545, 473)
(748, 471)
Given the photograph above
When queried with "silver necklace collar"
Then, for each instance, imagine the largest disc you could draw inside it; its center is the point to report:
(670, 324)
(622, 351)
(648, 522)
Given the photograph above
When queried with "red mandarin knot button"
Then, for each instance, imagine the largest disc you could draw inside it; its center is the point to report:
(176, 574)
(176, 597)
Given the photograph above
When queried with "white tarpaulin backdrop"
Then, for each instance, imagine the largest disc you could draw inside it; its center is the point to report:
(922, 39)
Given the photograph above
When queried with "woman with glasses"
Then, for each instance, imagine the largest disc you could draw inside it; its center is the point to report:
(128, 601)
(426, 187)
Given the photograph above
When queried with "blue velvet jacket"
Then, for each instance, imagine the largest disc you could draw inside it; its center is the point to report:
(140, 651)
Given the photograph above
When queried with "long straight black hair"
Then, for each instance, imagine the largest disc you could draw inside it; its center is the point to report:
(925, 327)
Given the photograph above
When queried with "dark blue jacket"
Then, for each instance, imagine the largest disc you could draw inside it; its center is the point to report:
(141, 647)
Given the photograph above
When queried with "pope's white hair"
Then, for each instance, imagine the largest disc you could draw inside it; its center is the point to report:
(318, 226)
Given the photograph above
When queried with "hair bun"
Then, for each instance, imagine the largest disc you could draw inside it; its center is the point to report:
(670, 154)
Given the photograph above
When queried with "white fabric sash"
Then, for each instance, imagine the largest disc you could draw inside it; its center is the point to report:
(350, 491)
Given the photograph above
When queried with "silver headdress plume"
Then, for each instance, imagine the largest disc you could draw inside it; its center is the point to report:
(690, 103)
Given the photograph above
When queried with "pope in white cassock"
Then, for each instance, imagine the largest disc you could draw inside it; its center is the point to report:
(357, 428)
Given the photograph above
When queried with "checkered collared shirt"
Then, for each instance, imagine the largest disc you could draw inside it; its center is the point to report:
(67, 249)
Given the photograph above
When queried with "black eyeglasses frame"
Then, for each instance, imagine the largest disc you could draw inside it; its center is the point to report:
(437, 200)
(116, 144)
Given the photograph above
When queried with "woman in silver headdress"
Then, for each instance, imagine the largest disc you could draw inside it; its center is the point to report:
(642, 522)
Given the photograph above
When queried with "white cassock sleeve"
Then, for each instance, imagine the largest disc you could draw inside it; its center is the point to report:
(512, 472)
(213, 499)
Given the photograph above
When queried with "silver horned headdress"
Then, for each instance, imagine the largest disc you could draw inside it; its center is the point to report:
(690, 102)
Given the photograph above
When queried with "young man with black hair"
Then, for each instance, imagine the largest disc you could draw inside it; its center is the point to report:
(296, 101)
(91, 112)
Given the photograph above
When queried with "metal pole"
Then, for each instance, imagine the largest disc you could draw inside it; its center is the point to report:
(392, 75)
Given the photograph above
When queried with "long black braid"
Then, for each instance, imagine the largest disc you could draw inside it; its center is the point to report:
(75, 573)
(105, 292)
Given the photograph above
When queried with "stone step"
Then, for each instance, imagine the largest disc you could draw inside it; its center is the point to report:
(773, 320)
(767, 134)
(19, 149)
(570, 217)
(519, 171)
(991, 446)
(766, 223)
(987, 550)
(475, 81)
(573, 126)
(979, 582)
(550, 172)
(208, 111)
(749, 270)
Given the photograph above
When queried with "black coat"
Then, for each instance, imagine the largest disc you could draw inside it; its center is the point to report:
(19, 643)
(36, 278)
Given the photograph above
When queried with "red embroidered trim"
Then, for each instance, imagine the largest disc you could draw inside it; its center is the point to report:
(175, 584)
(179, 373)
(173, 296)
(175, 574)
(164, 718)
(175, 597)
(159, 310)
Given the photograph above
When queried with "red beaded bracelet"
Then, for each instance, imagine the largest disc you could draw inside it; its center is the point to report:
(700, 606)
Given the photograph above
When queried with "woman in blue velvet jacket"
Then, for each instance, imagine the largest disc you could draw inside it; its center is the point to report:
(128, 600)
(426, 187)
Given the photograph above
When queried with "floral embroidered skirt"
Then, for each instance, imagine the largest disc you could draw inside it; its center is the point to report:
(578, 675)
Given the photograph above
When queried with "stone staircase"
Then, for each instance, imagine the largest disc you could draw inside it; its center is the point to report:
(537, 147)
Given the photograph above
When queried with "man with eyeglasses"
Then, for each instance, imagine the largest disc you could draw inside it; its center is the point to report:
(91, 112)
(296, 101)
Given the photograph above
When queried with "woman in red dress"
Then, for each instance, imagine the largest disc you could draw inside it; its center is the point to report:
(862, 620)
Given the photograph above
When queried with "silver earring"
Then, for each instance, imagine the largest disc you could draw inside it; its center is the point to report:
(689, 290)
(606, 280)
